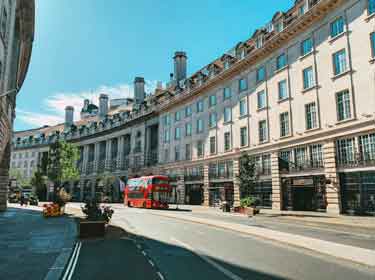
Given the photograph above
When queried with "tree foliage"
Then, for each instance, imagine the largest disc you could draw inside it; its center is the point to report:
(247, 174)
(62, 160)
(17, 174)
(39, 181)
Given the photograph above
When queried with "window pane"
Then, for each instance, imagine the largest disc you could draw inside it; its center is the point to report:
(227, 93)
(262, 131)
(311, 121)
(337, 27)
(339, 60)
(306, 46)
(281, 62)
(261, 74)
(308, 78)
(227, 141)
(227, 114)
(213, 119)
(371, 6)
(243, 134)
(284, 124)
(283, 92)
(242, 84)
(343, 105)
(261, 99)
(243, 107)
(212, 100)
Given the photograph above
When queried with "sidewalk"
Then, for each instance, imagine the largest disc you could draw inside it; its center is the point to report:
(314, 217)
(33, 247)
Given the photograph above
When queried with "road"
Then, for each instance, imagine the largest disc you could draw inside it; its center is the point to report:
(175, 249)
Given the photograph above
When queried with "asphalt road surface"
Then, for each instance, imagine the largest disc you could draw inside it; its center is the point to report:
(183, 250)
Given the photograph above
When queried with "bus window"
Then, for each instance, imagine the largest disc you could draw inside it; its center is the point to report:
(158, 181)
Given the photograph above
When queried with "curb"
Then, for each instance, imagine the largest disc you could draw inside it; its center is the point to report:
(345, 252)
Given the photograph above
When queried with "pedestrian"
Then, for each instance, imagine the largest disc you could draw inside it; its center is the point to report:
(22, 199)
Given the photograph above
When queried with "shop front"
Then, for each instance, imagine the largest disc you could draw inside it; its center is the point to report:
(263, 192)
(194, 194)
(220, 192)
(307, 193)
(358, 192)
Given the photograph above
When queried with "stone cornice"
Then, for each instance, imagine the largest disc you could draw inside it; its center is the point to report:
(317, 12)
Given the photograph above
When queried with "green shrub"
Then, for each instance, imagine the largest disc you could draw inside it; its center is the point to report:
(249, 201)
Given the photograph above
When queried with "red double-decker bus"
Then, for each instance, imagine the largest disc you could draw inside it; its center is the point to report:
(148, 192)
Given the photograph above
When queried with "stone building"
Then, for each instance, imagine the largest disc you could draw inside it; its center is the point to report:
(17, 33)
(298, 96)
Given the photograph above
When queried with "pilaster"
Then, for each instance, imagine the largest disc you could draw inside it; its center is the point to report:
(96, 156)
(276, 182)
(120, 151)
(108, 154)
(333, 184)
(206, 185)
(236, 182)
(85, 158)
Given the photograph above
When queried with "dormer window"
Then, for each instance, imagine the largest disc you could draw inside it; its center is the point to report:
(279, 26)
(242, 53)
(269, 27)
(259, 42)
(226, 64)
(302, 9)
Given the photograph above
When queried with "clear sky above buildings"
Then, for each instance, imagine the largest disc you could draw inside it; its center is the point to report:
(85, 47)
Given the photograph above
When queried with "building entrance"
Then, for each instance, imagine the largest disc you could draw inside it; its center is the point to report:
(194, 194)
(304, 193)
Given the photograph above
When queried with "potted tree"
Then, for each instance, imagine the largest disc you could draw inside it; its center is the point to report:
(96, 219)
(247, 178)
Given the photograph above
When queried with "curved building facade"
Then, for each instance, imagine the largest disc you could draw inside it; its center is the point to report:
(298, 96)
(17, 35)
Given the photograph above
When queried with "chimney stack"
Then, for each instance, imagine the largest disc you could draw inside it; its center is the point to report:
(69, 116)
(180, 59)
(139, 90)
(103, 106)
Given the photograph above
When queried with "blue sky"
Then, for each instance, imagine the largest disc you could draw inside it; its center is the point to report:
(85, 47)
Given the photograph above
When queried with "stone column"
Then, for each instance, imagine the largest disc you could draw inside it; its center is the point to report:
(4, 177)
(108, 153)
(85, 158)
(330, 169)
(96, 156)
(236, 182)
(206, 184)
(93, 187)
(276, 182)
(81, 187)
(120, 151)
(181, 187)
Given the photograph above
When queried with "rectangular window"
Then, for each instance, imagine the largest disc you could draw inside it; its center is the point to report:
(339, 62)
(279, 27)
(308, 78)
(281, 61)
(188, 111)
(284, 124)
(212, 119)
(345, 151)
(242, 84)
(177, 133)
(200, 106)
(199, 126)
(227, 93)
(167, 136)
(367, 147)
(243, 136)
(316, 155)
(262, 99)
(302, 10)
(371, 7)
(200, 148)
(227, 142)
(261, 74)
(263, 131)
(212, 100)
(188, 152)
(212, 145)
(176, 153)
(306, 46)
(311, 121)
(243, 107)
(372, 36)
(283, 90)
(177, 116)
(259, 42)
(337, 27)
(343, 105)
(188, 129)
(167, 120)
(227, 114)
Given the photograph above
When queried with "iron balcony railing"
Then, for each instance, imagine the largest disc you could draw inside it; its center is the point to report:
(356, 159)
(302, 166)
(190, 177)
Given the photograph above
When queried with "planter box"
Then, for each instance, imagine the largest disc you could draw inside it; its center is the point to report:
(91, 229)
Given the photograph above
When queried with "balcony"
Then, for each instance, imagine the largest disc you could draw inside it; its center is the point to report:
(356, 159)
(286, 167)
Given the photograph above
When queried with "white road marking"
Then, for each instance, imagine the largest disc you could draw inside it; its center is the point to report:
(160, 275)
(139, 246)
(73, 262)
(144, 253)
(225, 271)
(150, 261)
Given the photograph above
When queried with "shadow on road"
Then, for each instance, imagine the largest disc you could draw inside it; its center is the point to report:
(117, 256)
